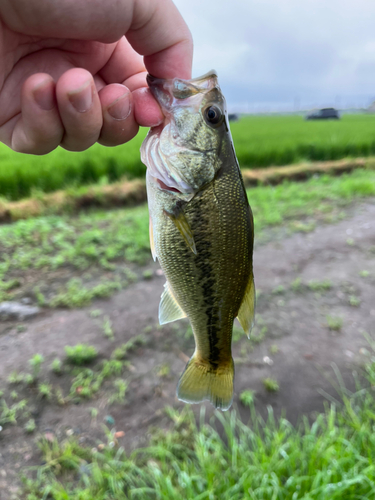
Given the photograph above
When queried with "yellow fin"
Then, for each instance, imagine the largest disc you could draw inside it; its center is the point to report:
(182, 224)
(201, 382)
(247, 310)
(169, 308)
(152, 243)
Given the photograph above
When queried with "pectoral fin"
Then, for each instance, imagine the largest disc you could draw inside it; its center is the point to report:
(152, 243)
(182, 224)
(169, 308)
(247, 309)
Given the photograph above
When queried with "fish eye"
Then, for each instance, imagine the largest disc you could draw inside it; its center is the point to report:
(213, 115)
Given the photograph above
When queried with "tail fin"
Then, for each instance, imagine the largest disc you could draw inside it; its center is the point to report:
(200, 382)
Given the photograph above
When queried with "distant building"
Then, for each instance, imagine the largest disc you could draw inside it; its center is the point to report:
(371, 108)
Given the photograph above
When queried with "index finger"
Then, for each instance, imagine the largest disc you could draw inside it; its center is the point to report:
(160, 34)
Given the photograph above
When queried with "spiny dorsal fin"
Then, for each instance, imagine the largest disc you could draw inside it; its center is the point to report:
(182, 224)
(247, 309)
(169, 308)
(152, 243)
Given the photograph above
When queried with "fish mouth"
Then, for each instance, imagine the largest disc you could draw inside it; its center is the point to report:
(177, 91)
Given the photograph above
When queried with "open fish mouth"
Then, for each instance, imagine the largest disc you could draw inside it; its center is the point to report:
(170, 92)
(180, 152)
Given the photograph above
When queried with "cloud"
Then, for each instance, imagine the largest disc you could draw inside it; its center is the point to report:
(277, 50)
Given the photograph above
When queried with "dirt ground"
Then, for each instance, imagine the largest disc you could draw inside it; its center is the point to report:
(298, 350)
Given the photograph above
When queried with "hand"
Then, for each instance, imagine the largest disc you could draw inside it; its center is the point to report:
(69, 77)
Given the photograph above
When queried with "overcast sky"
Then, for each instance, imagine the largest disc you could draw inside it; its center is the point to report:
(286, 52)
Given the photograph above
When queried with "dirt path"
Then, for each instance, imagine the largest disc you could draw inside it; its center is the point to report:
(297, 351)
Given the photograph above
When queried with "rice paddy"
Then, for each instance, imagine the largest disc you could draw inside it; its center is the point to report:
(260, 141)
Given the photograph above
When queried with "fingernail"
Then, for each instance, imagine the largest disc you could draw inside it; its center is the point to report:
(121, 108)
(44, 95)
(81, 98)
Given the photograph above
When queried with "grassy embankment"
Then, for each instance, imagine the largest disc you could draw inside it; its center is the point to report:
(259, 141)
(102, 242)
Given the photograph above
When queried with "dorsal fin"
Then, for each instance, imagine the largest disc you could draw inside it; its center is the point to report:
(169, 308)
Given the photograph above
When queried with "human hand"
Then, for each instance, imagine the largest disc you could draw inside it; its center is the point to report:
(69, 77)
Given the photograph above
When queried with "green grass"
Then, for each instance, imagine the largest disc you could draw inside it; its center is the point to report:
(292, 200)
(331, 458)
(101, 241)
(80, 354)
(22, 175)
(53, 242)
(260, 141)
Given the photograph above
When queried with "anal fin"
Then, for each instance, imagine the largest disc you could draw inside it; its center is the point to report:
(169, 308)
(182, 224)
(247, 310)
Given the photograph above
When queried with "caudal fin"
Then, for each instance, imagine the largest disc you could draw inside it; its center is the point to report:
(201, 382)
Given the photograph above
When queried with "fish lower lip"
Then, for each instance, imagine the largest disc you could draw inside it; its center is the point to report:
(167, 188)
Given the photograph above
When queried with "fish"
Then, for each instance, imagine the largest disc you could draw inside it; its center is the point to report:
(201, 229)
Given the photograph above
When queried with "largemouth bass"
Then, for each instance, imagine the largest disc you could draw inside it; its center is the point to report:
(201, 229)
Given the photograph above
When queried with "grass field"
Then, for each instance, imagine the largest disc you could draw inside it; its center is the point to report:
(260, 141)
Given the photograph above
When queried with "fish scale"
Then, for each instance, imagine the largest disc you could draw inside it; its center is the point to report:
(203, 240)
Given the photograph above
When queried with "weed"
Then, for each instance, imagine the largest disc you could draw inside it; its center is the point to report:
(279, 289)
(247, 398)
(56, 366)
(296, 285)
(364, 273)
(95, 313)
(76, 295)
(15, 377)
(9, 415)
(164, 370)
(354, 301)
(30, 426)
(122, 351)
(14, 395)
(45, 391)
(81, 354)
(40, 298)
(93, 414)
(320, 286)
(274, 349)
(107, 328)
(87, 382)
(334, 323)
(148, 274)
(36, 364)
(120, 391)
(271, 385)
